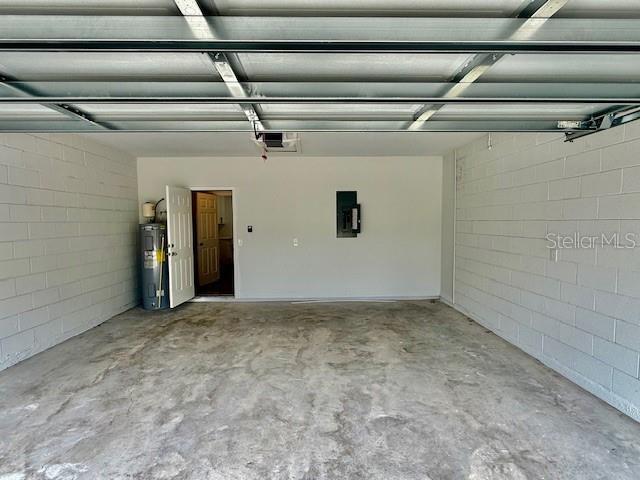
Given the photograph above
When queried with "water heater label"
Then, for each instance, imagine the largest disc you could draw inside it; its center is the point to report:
(150, 259)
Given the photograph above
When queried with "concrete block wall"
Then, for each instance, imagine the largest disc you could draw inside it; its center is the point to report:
(580, 315)
(68, 222)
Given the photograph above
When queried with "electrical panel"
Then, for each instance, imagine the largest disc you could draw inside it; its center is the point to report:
(348, 215)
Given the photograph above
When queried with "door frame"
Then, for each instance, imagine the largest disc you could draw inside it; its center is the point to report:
(236, 271)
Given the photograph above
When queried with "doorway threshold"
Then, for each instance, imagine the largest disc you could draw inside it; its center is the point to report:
(213, 298)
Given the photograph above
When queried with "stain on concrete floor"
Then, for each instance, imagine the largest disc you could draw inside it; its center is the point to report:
(406, 390)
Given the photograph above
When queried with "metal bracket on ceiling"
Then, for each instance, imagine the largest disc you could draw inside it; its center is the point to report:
(607, 121)
(75, 112)
(599, 123)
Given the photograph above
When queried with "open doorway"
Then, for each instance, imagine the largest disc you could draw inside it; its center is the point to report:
(213, 242)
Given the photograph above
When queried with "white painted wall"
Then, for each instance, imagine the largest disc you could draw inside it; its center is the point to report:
(68, 217)
(397, 255)
(581, 315)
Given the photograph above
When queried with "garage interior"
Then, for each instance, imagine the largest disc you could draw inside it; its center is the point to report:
(376, 239)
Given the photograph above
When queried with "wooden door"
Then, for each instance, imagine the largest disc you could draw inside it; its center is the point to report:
(207, 241)
(179, 245)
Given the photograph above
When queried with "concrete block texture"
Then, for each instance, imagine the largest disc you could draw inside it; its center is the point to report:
(63, 201)
(584, 300)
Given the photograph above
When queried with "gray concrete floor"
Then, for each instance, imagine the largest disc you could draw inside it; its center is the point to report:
(407, 390)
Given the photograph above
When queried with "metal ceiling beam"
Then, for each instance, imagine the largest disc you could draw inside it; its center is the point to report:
(237, 90)
(27, 95)
(67, 125)
(530, 8)
(537, 13)
(278, 92)
(243, 101)
(191, 10)
(315, 125)
(315, 34)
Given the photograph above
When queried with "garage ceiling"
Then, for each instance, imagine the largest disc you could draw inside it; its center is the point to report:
(568, 66)
(310, 144)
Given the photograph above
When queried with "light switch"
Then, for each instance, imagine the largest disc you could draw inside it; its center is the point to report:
(295, 242)
(240, 242)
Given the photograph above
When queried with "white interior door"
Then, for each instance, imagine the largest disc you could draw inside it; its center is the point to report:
(180, 245)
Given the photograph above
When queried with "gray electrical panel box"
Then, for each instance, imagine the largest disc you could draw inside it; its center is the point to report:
(154, 269)
(348, 215)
